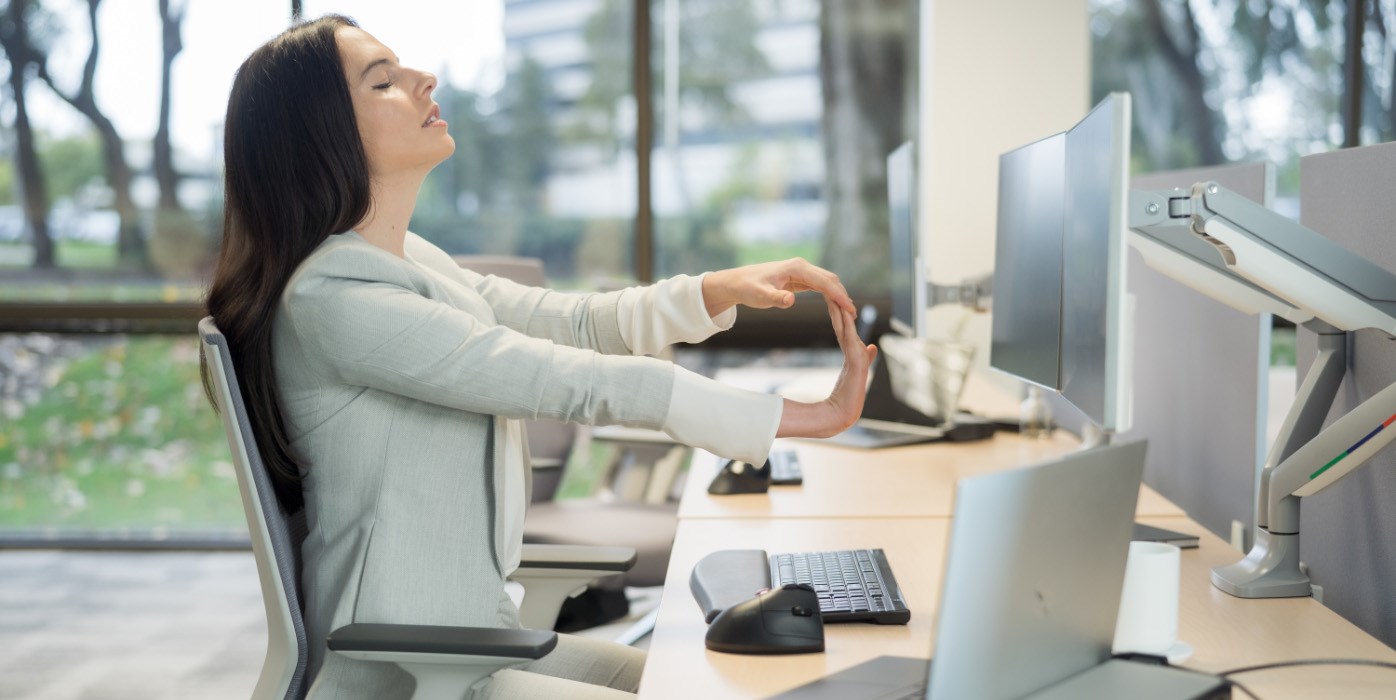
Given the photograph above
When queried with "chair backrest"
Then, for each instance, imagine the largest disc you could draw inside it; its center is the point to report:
(276, 534)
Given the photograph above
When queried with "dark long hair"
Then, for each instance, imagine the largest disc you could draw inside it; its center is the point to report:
(294, 174)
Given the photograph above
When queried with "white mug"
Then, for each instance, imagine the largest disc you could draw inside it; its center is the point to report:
(1148, 619)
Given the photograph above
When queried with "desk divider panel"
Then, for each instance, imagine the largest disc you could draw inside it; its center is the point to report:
(1200, 377)
(1348, 532)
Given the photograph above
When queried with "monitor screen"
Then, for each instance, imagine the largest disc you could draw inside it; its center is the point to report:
(1093, 264)
(907, 277)
(1026, 338)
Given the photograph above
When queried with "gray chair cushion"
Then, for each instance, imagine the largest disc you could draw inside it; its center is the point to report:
(649, 528)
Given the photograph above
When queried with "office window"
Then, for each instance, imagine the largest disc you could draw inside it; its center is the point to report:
(1379, 58)
(1224, 82)
(773, 120)
(545, 140)
(107, 437)
(110, 197)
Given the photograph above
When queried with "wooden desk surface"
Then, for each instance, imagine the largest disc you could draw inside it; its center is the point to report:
(1225, 632)
(916, 481)
(679, 666)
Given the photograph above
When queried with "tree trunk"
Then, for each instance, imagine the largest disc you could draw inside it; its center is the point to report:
(15, 39)
(863, 59)
(31, 174)
(130, 244)
(1191, 84)
(165, 174)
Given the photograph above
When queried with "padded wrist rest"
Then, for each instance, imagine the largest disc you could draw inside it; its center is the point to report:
(723, 579)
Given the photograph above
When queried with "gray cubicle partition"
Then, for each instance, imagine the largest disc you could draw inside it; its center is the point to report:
(1200, 371)
(1348, 532)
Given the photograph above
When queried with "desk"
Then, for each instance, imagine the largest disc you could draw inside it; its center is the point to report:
(1225, 632)
(916, 481)
(679, 666)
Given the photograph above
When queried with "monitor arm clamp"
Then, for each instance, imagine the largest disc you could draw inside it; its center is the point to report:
(1255, 260)
(974, 293)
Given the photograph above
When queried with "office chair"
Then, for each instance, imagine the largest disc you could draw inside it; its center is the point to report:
(445, 661)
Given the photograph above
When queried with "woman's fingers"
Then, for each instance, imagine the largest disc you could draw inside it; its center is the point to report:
(804, 274)
(836, 319)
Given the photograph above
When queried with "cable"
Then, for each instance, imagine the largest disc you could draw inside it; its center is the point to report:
(1237, 685)
(1310, 662)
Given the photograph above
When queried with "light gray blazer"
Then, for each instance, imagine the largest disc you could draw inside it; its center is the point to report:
(390, 379)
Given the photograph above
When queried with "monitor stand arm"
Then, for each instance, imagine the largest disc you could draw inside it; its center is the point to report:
(1306, 459)
(973, 293)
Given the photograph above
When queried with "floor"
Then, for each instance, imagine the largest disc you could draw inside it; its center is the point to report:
(148, 625)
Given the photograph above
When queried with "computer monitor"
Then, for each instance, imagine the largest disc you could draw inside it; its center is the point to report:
(1026, 340)
(907, 269)
(1094, 314)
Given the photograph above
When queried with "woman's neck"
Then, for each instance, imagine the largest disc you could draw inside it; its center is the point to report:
(389, 212)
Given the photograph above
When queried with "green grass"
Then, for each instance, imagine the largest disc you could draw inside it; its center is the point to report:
(85, 255)
(69, 254)
(122, 438)
(1282, 347)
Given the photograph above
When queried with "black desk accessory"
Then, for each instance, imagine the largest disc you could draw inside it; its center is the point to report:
(728, 577)
(784, 620)
(725, 578)
(740, 477)
(782, 468)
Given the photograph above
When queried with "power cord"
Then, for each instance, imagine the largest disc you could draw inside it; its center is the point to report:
(1305, 662)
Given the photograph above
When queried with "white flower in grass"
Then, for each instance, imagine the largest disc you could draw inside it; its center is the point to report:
(160, 464)
(135, 488)
(85, 466)
(12, 471)
(114, 369)
(66, 494)
(223, 470)
(13, 409)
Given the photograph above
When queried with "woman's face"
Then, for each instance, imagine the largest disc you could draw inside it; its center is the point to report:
(399, 123)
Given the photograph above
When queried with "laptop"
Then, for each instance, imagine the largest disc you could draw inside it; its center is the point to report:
(1032, 585)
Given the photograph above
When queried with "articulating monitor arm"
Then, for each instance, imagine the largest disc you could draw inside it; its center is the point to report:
(1254, 259)
(973, 293)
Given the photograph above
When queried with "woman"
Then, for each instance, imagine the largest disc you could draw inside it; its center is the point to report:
(386, 384)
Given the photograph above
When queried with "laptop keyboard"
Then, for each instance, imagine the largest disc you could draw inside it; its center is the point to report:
(852, 585)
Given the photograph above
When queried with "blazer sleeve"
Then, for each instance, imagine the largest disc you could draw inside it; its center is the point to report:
(368, 326)
(579, 320)
(639, 320)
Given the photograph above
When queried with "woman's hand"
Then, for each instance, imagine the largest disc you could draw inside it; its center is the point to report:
(773, 284)
(836, 413)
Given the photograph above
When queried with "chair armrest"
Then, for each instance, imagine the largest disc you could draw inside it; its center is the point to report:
(583, 557)
(434, 639)
(445, 661)
(552, 573)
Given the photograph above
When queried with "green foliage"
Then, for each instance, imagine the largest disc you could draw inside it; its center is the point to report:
(122, 437)
(7, 182)
(717, 48)
(1295, 48)
(71, 163)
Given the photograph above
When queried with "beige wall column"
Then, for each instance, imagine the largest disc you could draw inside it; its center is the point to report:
(995, 74)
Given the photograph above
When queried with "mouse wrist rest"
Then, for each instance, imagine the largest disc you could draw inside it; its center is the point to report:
(723, 579)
